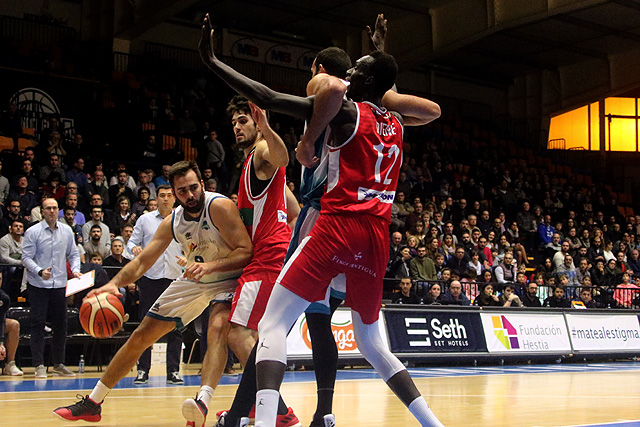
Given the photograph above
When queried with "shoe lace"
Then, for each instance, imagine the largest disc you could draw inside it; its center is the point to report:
(84, 401)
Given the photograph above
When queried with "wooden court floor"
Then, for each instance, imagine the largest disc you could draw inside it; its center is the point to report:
(525, 396)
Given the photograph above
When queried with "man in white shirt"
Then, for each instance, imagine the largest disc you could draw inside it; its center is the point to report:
(154, 282)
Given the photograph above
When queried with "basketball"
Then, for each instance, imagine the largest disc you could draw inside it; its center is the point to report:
(102, 315)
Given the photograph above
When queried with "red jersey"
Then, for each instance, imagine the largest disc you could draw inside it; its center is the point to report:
(265, 216)
(363, 172)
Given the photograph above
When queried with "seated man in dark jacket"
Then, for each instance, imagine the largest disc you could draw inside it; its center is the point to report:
(530, 297)
(454, 295)
(557, 300)
(406, 294)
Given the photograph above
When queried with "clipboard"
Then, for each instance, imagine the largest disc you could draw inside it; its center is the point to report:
(76, 285)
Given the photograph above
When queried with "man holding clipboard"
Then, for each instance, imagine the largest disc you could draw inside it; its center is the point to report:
(46, 248)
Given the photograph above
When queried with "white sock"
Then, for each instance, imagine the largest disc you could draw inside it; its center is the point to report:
(205, 394)
(99, 392)
(266, 408)
(422, 412)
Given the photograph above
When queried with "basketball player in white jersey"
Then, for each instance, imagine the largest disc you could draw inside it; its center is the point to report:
(216, 245)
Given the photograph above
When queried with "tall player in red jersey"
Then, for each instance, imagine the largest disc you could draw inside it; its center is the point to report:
(363, 171)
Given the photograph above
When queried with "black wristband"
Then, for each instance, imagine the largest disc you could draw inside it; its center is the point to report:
(40, 272)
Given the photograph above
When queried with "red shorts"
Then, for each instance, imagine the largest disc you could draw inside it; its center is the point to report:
(356, 245)
(255, 286)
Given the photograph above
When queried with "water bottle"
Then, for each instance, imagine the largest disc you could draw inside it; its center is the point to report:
(81, 364)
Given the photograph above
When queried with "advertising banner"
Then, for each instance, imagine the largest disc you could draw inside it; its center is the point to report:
(299, 342)
(259, 50)
(525, 333)
(601, 332)
(434, 331)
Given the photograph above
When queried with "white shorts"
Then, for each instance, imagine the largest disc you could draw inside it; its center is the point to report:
(185, 300)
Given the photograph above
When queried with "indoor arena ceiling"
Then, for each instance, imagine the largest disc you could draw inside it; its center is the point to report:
(587, 31)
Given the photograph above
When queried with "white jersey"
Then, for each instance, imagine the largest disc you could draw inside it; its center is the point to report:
(200, 239)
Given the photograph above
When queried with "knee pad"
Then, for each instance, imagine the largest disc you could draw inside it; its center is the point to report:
(374, 349)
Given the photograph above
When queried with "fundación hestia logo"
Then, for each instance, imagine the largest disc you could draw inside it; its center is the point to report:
(505, 332)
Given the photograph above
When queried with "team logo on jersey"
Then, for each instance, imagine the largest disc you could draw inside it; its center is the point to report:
(192, 247)
(382, 196)
(358, 256)
(282, 216)
(188, 235)
(205, 226)
(156, 307)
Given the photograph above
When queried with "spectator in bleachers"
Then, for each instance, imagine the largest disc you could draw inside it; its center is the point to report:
(433, 295)
(413, 217)
(448, 247)
(11, 255)
(26, 169)
(622, 263)
(116, 259)
(439, 264)
(509, 298)
(506, 270)
(13, 213)
(120, 189)
(95, 245)
(607, 251)
(412, 244)
(458, 263)
(76, 147)
(583, 270)
(71, 201)
(550, 249)
(546, 231)
(400, 266)
(96, 218)
(513, 233)
(586, 297)
(634, 262)
(163, 179)
(98, 187)
(404, 184)
(145, 180)
(596, 251)
(558, 257)
(475, 237)
(487, 298)
(422, 267)
(121, 215)
(530, 297)
(406, 295)
(54, 165)
(129, 182)
(68, 218)
(78, 175)
(140, 205)
(28, 200)
(557, 300)
(395, 245)
(475, 263)
(433, 247)
(454, 295)
(626, 293)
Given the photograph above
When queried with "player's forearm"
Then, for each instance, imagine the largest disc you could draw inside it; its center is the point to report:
(257, 92)
(237, 259)
(415, 110)
(278, 153)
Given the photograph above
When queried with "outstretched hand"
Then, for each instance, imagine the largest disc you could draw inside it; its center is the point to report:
(205, 46)
(111, 289)
(259, 116)
(378, 36)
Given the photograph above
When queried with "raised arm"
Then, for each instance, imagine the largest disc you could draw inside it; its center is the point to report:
(415, 110)
(276, 152)
(257, 92)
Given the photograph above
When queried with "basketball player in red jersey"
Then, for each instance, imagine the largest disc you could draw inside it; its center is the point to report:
(266, 206)
(364, 164)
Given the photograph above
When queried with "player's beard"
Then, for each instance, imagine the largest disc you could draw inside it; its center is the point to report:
(197, 208)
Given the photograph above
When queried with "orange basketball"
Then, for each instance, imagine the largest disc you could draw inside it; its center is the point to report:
(101, 316)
